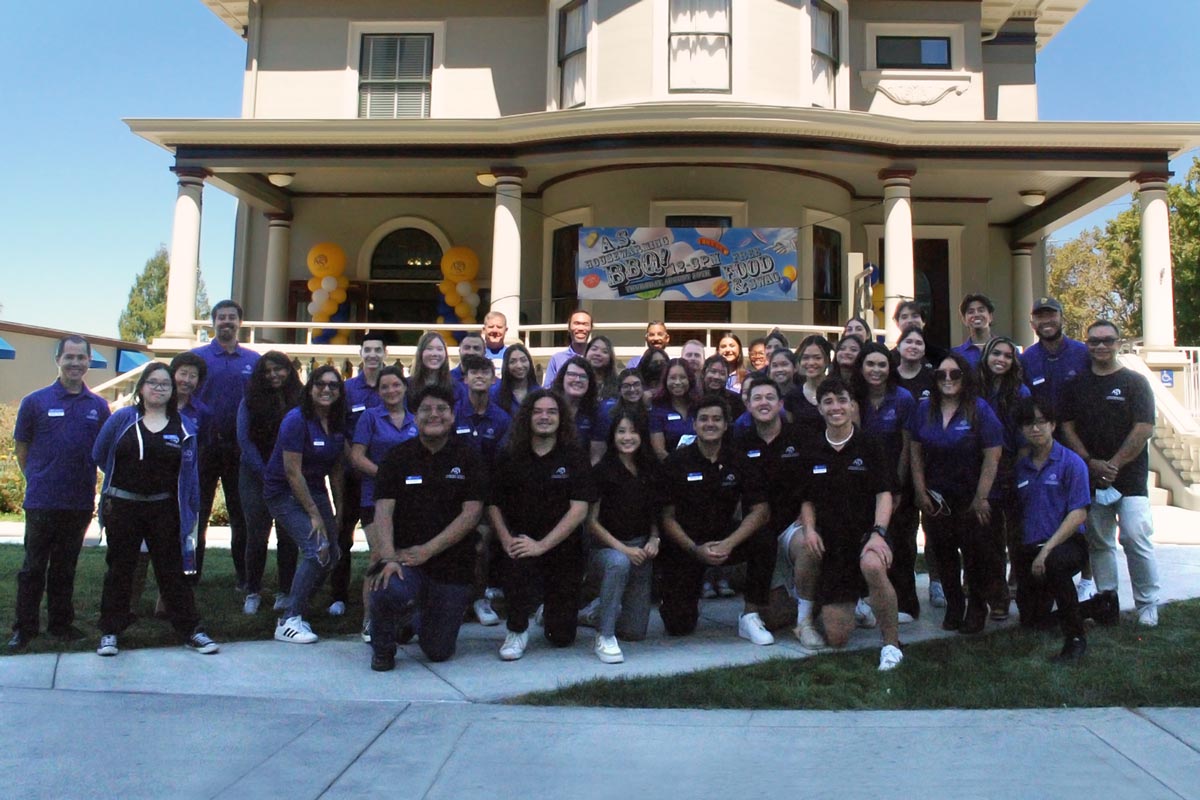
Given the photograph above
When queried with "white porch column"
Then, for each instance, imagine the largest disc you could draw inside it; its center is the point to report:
(506, 246)
(185, 255)
(899, 280)
(1022, 292)
(275, 289)
(1158, 296)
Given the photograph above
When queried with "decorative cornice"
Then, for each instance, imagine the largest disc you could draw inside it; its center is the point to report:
(915, 87)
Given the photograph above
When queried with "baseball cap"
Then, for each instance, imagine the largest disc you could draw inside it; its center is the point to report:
(1044, 303)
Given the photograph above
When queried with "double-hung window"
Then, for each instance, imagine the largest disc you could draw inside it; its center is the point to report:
(701, 39)
(825, 55)
(572, 54)
(395, 76)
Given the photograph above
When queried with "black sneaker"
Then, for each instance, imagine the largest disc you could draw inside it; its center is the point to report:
(201, 643)
(68, 633)
(19, 642)
(1104, 607)
(383, 662)
(1072, 652)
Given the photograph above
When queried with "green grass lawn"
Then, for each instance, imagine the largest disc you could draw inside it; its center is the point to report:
(217, 599)
(1125, 665)
(12, 516)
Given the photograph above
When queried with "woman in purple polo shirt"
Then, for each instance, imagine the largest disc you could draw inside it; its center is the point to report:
(307, 451)
(431, 366)
(956, 442)
(671, 420)
(516, 378)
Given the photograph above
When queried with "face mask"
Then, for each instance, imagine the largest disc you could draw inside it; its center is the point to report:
(1106, 497)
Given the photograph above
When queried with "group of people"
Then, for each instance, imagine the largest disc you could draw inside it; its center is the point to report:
(811, 466)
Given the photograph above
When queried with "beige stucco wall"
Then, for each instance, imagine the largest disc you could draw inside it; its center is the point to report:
(1010, 74)
(34, 367)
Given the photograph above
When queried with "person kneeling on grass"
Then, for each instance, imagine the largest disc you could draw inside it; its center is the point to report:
(424, 556)
(1053, 491)
(847, 485)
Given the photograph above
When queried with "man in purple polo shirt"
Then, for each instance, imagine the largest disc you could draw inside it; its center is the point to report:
(229, 366)
(56, 428)
(580, 328)
(1054, 360)
(976, 311)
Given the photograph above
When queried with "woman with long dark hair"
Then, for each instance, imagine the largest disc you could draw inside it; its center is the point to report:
(729, 347)
(813, 356)
(624, 524)
(602, 356)
(844, 355)
(714, 377)
(308, 450)
(151, 493)
(516, 378)
(273, 390)
(651, 366)
(671, 419)
(431, 366)
(1002, 385)
(912, 371)
(576, 382)
(956, 443)
(857, 326)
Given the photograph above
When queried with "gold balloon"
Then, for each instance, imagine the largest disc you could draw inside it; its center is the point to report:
(338, 296)
(326, 258)
(460, 264)
(314, 283)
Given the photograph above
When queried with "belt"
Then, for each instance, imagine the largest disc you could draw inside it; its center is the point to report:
(121, 494)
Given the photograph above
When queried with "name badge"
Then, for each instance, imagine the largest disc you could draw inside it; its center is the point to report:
(463, 429)
(685, 440)
(1038, 381)
(55, 412)
(820, 469)
(357, 409)
(695, 476)
(1022, 484)
(673, 417)
(318, 442)
(754, 454)
(412, 480)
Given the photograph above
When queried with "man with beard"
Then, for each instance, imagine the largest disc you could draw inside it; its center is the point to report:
(1055, 360)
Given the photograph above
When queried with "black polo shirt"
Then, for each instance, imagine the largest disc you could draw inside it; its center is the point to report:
(1104, 409)
(535, 492)
(707, 493)
(629, 504)
(429, 490)
(779, 462)
(804, 414)
(842, 486)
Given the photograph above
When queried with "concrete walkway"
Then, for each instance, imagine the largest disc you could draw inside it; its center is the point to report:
(266, 719)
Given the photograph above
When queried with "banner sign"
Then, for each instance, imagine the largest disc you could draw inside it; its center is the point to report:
(687, 264)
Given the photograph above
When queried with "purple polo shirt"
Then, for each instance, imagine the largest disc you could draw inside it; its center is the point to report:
(360, 396)
(224, 385)
(377, 432)
(1047, 374)
(483, 432)
(672, 425)
(970, 352)
(954, 454)
(60, 429)
(1048, 494)
(319, 452)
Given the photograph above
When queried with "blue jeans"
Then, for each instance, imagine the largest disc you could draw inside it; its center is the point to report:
(258, 531)
(310, 573)
(435, 609)
(1132, 515)
(624, 593)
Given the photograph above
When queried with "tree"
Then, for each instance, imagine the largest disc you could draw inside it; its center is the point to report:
(1099, 273)
(145, 314)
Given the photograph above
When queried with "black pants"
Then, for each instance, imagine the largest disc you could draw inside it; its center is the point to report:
(683, 579)
(339, 578)
(902, 536)
(960, 533)
(53, 538)
(1036, 595)
(220, 461)
(555, 578)
(126, 524)
(1004, 533)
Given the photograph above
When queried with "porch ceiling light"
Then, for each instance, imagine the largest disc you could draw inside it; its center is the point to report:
(486, 179)
(1033, 197)
(281, 179)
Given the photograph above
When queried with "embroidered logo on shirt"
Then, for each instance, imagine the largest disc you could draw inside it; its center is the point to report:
(857, 465)
(730, 480)
(560, 474)
(790, 452)
(455, 474)
(93, 415)
(1115, 394)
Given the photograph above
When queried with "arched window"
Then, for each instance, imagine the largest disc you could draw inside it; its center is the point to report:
(407, 254)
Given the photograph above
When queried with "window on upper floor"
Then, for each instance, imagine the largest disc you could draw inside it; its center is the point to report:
(700, 43)
(395, 76)
(825, 53)
(572, 54)
(912, 52)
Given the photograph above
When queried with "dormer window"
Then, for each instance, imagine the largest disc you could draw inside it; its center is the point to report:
(700, 43)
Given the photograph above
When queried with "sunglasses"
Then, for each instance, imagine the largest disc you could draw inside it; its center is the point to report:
(1107, 341)
(328, 384)
(948, 374)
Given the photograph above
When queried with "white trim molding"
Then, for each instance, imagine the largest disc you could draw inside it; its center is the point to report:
(362, 267)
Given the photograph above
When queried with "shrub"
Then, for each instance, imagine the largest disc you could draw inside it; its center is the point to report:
(12, 483)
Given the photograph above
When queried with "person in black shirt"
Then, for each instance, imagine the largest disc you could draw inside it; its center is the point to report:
(429, 496)
(1107, 419)
(539, 500)
(848, 503)
(704, 483)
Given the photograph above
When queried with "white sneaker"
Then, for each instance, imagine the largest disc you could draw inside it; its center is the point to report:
(1085, 589)
(607, 649)
(281, 602)
(889, 657)
(484, 612)
(514, 646)
(294, 629)
(810, 638)
(864, 616)
(337, 608)
(750, 626)
(539, 616)
(493, 593)
(250, 607)
(1148, 615)
(904, 618)
(724, 589)
(108, 645)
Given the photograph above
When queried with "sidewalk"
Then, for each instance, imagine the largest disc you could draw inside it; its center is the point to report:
(265, 719)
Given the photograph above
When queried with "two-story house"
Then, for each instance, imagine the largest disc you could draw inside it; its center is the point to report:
(902, 130)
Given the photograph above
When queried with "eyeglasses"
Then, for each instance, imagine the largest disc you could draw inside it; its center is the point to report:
(328, 385)
(430, 410)
(1105, 341)
(576, 376)
(631, 387)
(948, 374)
(159, 386)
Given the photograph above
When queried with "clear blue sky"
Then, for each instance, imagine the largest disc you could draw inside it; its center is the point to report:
(87, 202)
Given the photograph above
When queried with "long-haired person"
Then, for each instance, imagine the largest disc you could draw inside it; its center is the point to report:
(885, 410)
(431, 367)
(576, 382)
(273, 390)
(714, 377)
(651, 367)
(151, 493)
(857, 326)
(624, 524)
(308, 450)
(602, 356)
(912, 371)
(671, 419)
(516, 378)
(956, 443)
(813, 355)
(1002, 385)
(844, 355)
(729, 347)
